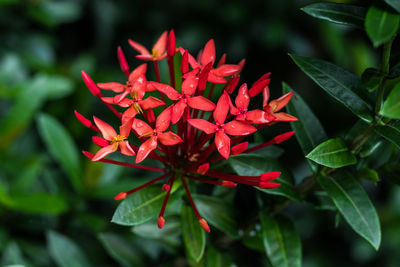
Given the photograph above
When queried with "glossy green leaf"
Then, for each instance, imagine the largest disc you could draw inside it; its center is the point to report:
(217, 259)
(394, 3)
(337, 13)
(371, 79)
(253, 164)
(391, 107)
(309, 131)
(281, 241)
(218, 213)
(354, 205)
(61, 146)
(39, 203)
(368, 174)
(341, 84)
(381, 24)
(121, 249)
(389, 133)
(253, 238)
(141, 206)
(65, 252)
(332, 153)
(193, 235)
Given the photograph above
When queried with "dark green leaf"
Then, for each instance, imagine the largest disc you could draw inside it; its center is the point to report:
(217, 259)
(121, 249)
(391, 107)
(337, 13)
(39, 203)
(309, 131)
(65, 252)
(354, 205)
(381, 24)
(61, 146)
(394, 3)
(217, 213)
(193, 235)
(389, 133)
(141, 206)
(332, 153)
(371, 78)
(281, 241)
(12, 254)
(341, 84)
(253, 164)
(368, 174)
(253, 238)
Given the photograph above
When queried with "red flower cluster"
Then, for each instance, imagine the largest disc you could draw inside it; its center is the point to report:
(180, 136)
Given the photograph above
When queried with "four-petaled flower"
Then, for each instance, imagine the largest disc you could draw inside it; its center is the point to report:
(157, 53)
(276, 105)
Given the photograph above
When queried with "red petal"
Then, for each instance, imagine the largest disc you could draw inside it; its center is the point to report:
(120, 97)
(167, 90)
(239, 148)
(190, 84)
(193, 63)
(238, 128)
(126, 149)
(283, 137)
(279, 103)
(268, 185)
(269, 176)
(150, 102)
(146, 148)
(204, 76)
(129, 114)
(171, 44)
(177, 111)
(258, 116)
(163, 120)
(232, 83)
(138, 47)
(169, 138)
(243, 99)
(281, 116)
(161, 44)
(203, 125)
(122, 61)
(126, 102)
(185, 62)
(100, 141)
(113, 86)
(203, 168)
(90, 84)
(222, 108)
(258, 86)
(82, 119)
(141, 127)
(139, 86)
(109, 100)
(212, 78)
(145, 57)
(227, 70)
(141, 70)
(208, 54)
(125, 129)
(222, 60)
(202, 103)
(106, 130)
(223, 143)
(105, 151)
(265, 96)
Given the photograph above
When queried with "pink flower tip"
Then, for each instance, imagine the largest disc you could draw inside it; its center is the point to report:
(90, 84)
(88, 154)
(269, 176)
(268, 185)
(121, 195)
(122, 61)
(165, 187)
(228, 184)
(202, 169)
(160, 221)
(204, 225)
(171, 44)
(283, 137)
(87, 123)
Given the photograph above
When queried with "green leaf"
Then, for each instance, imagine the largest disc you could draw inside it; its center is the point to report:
(141, 206)
(39, 203)
(371, 78)
(391, 107)
(169, 233)
(120, 249)
(217, 259)
(193, 235)
(309, 131)
(394, 3)
(389, 133)
(354, 205)
(381, 24)
(217, 213)
(341, 84)
(368, 174)
(12, 254)
(65, 252)
(281, 241)
(61, 146)
(253, 238)
(254, 165)
(337, 13)
(332, 153)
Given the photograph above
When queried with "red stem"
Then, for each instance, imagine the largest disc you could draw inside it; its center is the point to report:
(146, 184)
(190, 198)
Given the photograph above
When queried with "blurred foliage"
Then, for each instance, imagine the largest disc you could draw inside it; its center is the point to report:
(56, 206)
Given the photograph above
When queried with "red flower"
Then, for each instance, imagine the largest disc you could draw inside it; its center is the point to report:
(222, 141)
(157, 53)
(276, 105)
(115, 141)
(144, 130)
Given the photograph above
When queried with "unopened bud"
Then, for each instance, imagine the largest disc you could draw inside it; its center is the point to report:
(90, 84)
(204, 225)
(122, 62)
(283, 137)
(268, 185)
(120, 196)
(202, 169)
(228, 184)
(165, 187)
(160, 221)
(269, 176)
(171, 44)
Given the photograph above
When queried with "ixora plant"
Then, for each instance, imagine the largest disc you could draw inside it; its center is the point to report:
(193, 128)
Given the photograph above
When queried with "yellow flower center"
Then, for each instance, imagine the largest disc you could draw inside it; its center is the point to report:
(118, 139)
